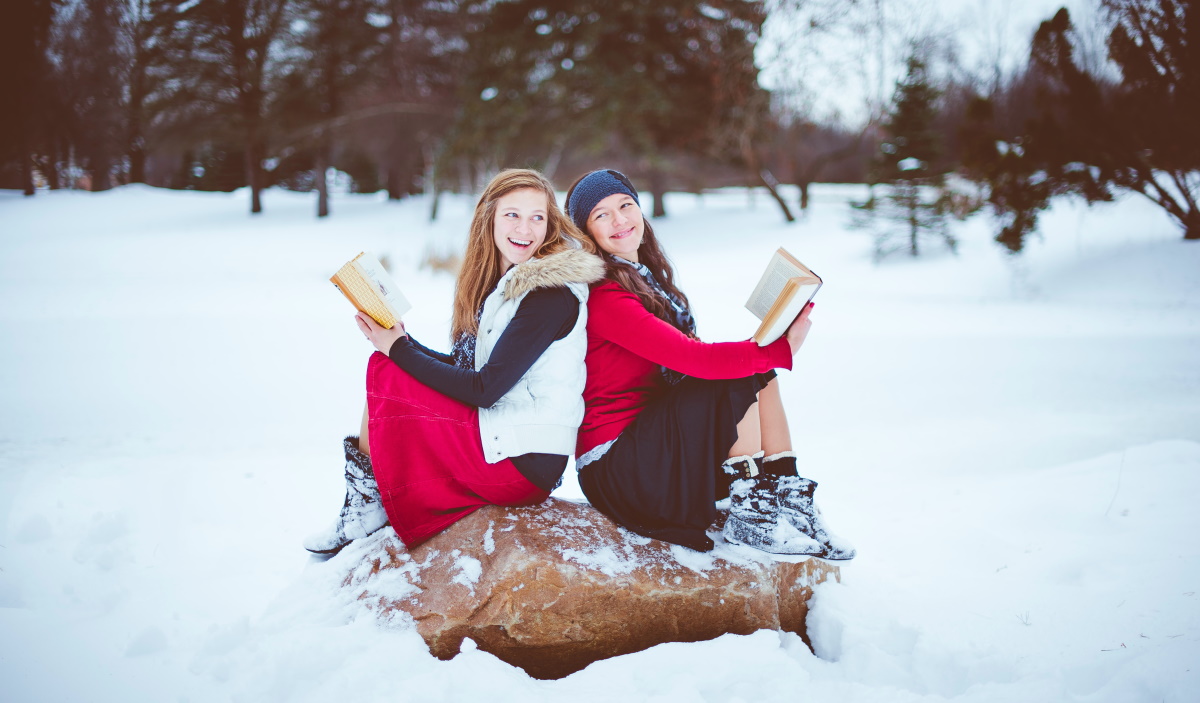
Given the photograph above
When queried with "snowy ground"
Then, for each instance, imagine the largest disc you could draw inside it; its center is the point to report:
(1013, 445)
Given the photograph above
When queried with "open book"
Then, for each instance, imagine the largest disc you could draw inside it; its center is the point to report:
(781, 294)
(367, 285)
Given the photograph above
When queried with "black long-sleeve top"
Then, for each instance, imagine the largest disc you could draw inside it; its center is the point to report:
(544, 316)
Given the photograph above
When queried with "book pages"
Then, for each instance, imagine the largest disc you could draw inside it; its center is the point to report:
(782, 268)
(781, 294)
(793, 301)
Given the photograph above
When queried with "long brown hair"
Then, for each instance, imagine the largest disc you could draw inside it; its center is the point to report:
(482, 264)
(650, 255)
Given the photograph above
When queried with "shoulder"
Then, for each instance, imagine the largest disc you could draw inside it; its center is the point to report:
(558, 298)
(554, 271)
(609, 292)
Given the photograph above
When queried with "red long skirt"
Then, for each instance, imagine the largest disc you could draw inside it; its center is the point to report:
(428, 457)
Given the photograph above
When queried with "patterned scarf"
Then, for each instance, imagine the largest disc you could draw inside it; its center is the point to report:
(462, 350)
(681, 315)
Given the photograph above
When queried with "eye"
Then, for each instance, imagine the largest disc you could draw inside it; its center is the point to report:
(598, 215)
(539, 217)
(510, 214)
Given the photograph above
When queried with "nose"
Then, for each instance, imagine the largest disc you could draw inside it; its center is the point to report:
(522, 224)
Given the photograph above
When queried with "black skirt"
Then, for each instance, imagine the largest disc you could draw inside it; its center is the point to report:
(663, 475)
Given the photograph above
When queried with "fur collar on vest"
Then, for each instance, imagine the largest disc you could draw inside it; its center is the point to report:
(568, 266)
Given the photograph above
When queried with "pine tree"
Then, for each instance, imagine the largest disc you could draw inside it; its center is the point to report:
(1095, 137)
(1156, 43)
(649, 78)
(217, 59)
(25, 88)
(908, 170)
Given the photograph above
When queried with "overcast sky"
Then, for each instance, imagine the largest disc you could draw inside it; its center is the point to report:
(835, 73)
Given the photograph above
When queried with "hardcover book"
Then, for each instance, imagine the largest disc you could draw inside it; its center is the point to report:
(781, 294)
(367, 285)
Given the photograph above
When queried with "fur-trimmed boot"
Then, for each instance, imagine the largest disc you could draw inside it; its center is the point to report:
(796, 505)
(362, 512)
(755, 519)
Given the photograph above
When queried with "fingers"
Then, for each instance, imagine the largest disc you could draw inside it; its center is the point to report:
(807, 309)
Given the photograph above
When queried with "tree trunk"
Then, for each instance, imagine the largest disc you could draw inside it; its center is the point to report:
(764, 176)
(804, 196)
(393, 183)
(252, 178)
(554, 158)
(322, 182)
(658, 190)
(393, 155)
(101, 181)
(1192, 225)
(51, 170)
(27, 172)
(913, 226)
(137, 149)
(137, 163)
(768, 180)
(431, 177)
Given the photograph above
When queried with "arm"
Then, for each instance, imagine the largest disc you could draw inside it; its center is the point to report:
(444, 358)
(544, 316)
(618, 316)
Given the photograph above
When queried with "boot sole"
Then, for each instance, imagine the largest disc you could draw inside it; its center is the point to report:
(733, 540)
(340, 547)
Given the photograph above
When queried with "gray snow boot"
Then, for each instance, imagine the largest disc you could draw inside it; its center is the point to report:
(362, 512)
(797, 507)
(755, 519)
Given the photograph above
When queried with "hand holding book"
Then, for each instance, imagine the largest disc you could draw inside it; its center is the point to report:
(367, 285)
(782, 294)
(382, 338)
(798, 331)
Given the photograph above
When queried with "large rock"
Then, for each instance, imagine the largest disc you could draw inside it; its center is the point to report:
(555, 587)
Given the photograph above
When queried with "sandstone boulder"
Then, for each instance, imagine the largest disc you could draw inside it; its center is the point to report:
(554, 587)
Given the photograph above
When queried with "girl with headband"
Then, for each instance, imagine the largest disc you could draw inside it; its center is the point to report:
(671, 423)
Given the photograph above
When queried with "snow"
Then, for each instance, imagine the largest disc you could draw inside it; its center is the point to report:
(1013, 444)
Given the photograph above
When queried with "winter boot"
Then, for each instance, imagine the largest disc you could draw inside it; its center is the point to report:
(781, 464)
(755, 519)
(796, 506)
(362, 512)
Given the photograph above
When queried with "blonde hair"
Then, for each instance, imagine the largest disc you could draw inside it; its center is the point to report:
(483, 265)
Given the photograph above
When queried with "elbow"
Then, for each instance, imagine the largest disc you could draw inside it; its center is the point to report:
(487, 400)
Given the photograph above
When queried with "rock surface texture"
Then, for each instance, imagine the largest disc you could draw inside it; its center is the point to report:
(555, 587)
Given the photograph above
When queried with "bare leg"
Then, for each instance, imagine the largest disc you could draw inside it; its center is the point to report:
(749, 439)
(363, 445)
(776, 437)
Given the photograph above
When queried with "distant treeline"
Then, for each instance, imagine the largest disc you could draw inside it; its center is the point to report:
(415, 96)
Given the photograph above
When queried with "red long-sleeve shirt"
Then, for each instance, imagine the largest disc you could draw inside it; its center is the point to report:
(626, 347)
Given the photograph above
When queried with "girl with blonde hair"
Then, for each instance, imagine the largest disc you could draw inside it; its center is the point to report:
(494, 421)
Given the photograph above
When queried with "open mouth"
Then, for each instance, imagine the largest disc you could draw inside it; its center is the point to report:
(622, 235)
(520, 242)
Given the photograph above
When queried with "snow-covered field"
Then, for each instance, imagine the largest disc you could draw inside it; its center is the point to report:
(1014, 445)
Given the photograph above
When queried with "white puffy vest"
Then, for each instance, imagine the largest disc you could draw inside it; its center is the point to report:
(542, 412)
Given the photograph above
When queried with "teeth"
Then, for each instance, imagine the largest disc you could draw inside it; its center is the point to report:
(521, 242)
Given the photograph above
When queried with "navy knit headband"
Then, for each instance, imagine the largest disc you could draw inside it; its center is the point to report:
(593, 188)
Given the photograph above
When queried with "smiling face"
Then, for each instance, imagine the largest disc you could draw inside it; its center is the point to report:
(617, 226)
(519, 227)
